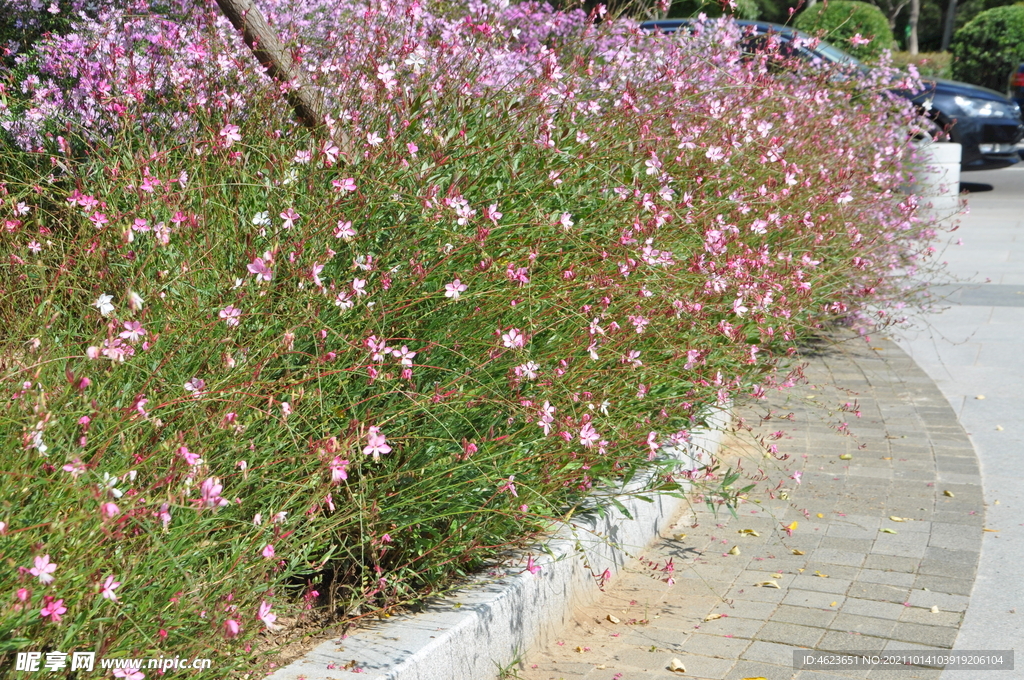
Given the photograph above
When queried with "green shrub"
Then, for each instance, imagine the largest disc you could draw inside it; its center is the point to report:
(928, 64)
(989, 47)
(847, 24)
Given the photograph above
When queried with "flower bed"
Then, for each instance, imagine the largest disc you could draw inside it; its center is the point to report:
(252, 374)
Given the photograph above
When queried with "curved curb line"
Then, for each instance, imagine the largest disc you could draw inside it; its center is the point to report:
(466, 636)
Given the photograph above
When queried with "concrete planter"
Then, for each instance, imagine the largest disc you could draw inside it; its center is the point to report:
(489, 623)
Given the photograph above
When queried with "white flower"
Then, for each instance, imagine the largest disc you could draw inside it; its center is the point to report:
(261, 219)
(103, 303)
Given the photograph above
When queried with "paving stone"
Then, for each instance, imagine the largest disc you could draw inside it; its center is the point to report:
(732, 625)
(770, 653)
(715, 645)
(747, 609)
(789, 634)
(925, 598)
(865, 625)
(750, 669)
(807, 598)
(804, 616)
(879, 592)
(929, 618)
(892, 563)
(881, 610)
(840, 557)
(843, 641)
(941, 584)
(938, 636)
(889, 578)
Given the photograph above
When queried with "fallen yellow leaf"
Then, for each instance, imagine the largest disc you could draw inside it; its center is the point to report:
(776, 575)
(712, 617)
(935, 610)
(767, 584)
(980, 396)
(680, 537)
(888, 531)
(820, 515)
(999, 428)
(886, 457)
(760, 677)
(612, 619)
(676, 666)
(896, 519)
(846, 456)
(994, 531)
(947, 492)
(798, 552)
(832, 605)
(579, 649)
(735, 550)
(748, 532)
(820, 575)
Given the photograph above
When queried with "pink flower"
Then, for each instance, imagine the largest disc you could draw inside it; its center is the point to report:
(652, 444)
(231, 315)
(513, 339)
(588, 435)
(107, 590)
(230, 134)
(266, 617)
(405, 354)
(190, 458)
(260, 269)
(231, 628)
(377, 444)
(98, 219)
(210, 490)
(23, 594)
(52, 609)
(359, 287)
(532, 566)
(43, 569)
(858, 40)
(345, 185)
(492, 213)
(268, 551)
(110, 510)
(510, 486)
(195, 386)
(339, 470)
(289, 216)
(796, 476)
(133, 331)
(454, 289)
(344, 230)
(286, 409)
(129, 674)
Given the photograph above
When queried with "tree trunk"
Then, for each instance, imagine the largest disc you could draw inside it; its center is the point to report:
(947, 32)
(246, 18)
(915, 13)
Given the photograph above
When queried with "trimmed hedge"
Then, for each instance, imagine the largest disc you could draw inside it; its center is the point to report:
(989, 47)
(845, 23)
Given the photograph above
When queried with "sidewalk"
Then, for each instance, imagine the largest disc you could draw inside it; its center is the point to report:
(864, 581)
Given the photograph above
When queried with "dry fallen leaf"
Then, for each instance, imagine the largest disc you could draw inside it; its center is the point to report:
(992, 531)
(947, 492)
(579, 649)
(832, 605)
(980, 396)
(680, 537)
(735, 550)
(767, 584)
(935, 610)
(820, 515)
(798, 552)
(777, 575)
(999, 428)
(896, 519)
(888, 531)
(676, 666)
(712, 617)
(612, 619)
(820, 575)
(886, 457)
(846, 456)
(760, 677)
(748, 532)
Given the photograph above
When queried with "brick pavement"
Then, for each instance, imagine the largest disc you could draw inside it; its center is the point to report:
(845, 582)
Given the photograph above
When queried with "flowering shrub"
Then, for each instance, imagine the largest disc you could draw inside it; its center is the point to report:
(249, 370)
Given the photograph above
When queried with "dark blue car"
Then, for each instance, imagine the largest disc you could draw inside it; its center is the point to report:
(987, 124)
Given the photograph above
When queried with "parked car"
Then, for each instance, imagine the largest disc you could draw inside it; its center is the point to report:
(987, 124)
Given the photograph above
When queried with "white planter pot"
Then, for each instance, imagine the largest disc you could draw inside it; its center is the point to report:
(937, 182)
